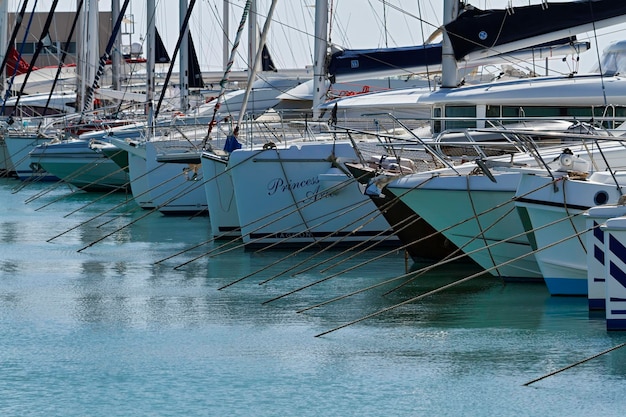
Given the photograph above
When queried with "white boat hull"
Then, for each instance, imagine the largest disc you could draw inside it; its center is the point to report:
(288, 197)
(596, 252)
(137, 171)
(18, 148)
(483, 222)
(175, 188)
(615, 273)
(220, 194)
(74, 162)
(556, 225)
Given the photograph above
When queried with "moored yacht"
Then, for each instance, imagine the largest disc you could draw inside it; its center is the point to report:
(550, 206)
(302, 194)
(473, 204)
(595, 243)
(76, 163)
(220, 194)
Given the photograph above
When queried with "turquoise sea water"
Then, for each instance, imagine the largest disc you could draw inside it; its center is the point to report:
(107, 331)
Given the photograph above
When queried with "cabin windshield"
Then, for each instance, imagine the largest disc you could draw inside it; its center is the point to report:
(462, 117)
(613, 59)
(609, 116)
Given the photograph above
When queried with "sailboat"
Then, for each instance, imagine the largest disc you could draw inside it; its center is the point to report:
(72, 160)
(82, 160)
(300, 230)
(178, 154)
(473, 211)
(153, 183)
(553, 214)
(288, 189)
(611, 280)
(23, 128)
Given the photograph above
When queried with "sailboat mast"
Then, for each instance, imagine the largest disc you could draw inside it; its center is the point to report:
(18, 23)
(255, 64)
(449, 77)
(44, 32)
(116, 61)
(97, 68)
(224, 80)
(66, 47)
(319, 59)
(4, 24)
(253, 36)
(183, 61)
(225, 40)
(150, 57)
(90, 51)
(183, 30)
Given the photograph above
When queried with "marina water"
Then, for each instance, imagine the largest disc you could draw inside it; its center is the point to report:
(97, 320)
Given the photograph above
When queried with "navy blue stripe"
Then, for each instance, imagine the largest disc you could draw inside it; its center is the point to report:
(616, 247)
(597, 232)
(284, 235)
(618, 274)
(553, 204)
(598, 254)
(616, 324)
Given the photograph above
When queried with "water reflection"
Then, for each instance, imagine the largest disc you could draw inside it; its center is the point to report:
(9, 267)
(8, 232)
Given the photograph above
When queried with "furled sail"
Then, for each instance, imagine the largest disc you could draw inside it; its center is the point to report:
(479, 33)
(267, 63)
(355, 64)
(160, 51)
(195, 74)
(15, 64)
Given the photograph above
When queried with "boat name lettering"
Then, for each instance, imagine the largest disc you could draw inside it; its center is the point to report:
(286, 235)
(279, 184)
(316, 195)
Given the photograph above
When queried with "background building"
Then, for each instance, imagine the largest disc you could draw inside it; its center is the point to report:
(57, 36)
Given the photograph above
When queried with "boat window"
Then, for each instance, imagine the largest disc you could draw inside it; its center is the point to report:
(546, 112)
(437, 120)
(493, 111)
(513, 114)
(464, 117)
(26, 48)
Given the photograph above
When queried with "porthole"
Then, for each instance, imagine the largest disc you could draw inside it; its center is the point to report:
(601, 197)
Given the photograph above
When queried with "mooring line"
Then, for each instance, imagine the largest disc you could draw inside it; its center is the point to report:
(82, 170)
(348, 182)
(276, 212)
(100, 215)
(84, 187)
(413, 218)
(409, 221)
(314, 243)
(621, 345)
(337, 187)
(459, 223)
(340, 240)
(486, 246)
(444, 287)
(385, 206)
(101, 197)
(156, 207)
(178, 195)
(428, 268)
